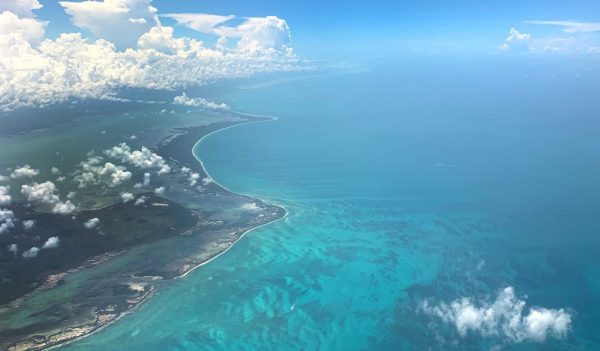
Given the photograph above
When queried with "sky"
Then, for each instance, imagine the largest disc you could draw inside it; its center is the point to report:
(56, 51)
(327, 29)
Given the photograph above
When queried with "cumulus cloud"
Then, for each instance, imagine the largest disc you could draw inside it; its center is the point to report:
(91, 223)
(140, 201)
(145, 181)
(51, 243)
(15, 28)
(64, 208)
(160, 39)
(72, 67)
(55, 170)
(13, 248)
(516, 40)
(503, 317)
(159, 190)
(126, 197)
(92, 172)
(28, 224)
(119, 21)
(24, 172)
(21, 8)
(5, 197)
(185, 100)
(147, 177)
(44, 193)
(577, 38)
(206, 180)
(7, 220)
(253, 32)
(143, 158)
(3, 178)
(6, 214)
(31, 253)
(194, 178)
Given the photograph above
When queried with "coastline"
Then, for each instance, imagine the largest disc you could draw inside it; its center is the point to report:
(83, 331)
(286, 212)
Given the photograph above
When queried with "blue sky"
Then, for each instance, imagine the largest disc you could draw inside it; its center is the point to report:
(326, 29)
(173, 45)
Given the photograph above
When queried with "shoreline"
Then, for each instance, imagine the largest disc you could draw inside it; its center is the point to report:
(29, 344)
(270, 119)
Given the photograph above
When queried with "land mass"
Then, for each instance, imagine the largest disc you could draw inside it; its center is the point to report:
(101, 274)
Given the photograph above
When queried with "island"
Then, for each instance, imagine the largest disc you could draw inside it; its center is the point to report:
(118, 250)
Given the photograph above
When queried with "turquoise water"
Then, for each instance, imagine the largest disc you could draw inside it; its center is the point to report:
(403, 183)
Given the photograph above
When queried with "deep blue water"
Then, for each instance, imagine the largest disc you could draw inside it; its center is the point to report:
(404, 182)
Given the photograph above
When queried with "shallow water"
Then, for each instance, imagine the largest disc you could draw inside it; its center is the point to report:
(402, 183)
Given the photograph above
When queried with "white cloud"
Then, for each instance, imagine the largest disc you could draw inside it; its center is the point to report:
(159, 190)
(92, 172)
(6, 214)
(91, 223)
(147, 177)
(78, 69)
(51, 243)
(117, 174)
(3, 178)
(24, 172)
(145, 181)
(7, 218)
(72, 67)
(206, 180)
(28, 224)
(44, 193)
(252, 207)
(15, 28)
(200, 22)
(194, 178)
(13, 248)
(64, 208)
(126, 197)
(571, 26)
(503, 318)
(254, 32)
(55, 170)
(32, 252)
(270, 31)
(515, 35)
(119, 21)
(21, 8)
(516, 40)
(160, 39)
(143, 158)
(140, 201)
(185, 100)
(577, 40)
(5, 197)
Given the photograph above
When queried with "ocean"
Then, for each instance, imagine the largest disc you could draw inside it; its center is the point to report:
(407, 181)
